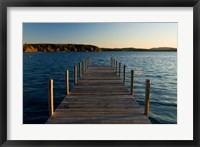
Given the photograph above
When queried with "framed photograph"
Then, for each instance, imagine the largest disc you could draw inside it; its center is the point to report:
(82, 73)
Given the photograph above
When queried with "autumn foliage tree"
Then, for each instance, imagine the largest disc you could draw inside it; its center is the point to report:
(59, 48)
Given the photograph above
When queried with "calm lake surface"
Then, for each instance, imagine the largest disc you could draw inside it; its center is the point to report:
(159, 67)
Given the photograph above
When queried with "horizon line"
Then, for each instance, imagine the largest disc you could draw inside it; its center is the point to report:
(105, 47)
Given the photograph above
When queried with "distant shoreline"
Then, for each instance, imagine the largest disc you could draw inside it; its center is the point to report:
(141, 50)
(86, 48)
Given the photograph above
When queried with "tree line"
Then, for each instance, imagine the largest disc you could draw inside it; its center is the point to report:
(59, 48)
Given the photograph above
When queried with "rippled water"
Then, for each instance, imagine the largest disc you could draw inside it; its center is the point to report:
(159, 67)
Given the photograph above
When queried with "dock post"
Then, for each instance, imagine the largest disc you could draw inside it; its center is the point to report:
(83, 66)
(75, 74)
(147, 98)
(124, 79)
(67, 82)
(116, 66)
(88, 63)
(119, 68)
(113, 63)
(132, 82)
(80, 70)
(51, 98)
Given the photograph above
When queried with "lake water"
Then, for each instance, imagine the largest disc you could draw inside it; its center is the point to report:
(159, 67)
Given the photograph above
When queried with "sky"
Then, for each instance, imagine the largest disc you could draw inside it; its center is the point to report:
(110, 35)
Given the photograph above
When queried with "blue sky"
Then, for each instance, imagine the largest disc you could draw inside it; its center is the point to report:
(139, 35)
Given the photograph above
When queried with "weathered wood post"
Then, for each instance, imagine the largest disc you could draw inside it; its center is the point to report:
(67, 81)
(114, 63)
(88, 63)
(124, 79)
(116, 66)
(111, 62)
(80, 70)
(51, 98)
(119, 68)
(132, 82)
(147, 98)
(75, 74)
(83, 67)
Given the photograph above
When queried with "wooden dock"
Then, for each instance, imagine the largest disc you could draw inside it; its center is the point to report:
(99, 97)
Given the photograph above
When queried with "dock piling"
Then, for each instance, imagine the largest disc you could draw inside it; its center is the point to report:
(85, 65)
(124, 79)
(51, 98)
(132, 82)
(88, 63)
(75, 74)
(67, 82)
(116, 66)
(80, 70)
(147, 98)
(119, 68)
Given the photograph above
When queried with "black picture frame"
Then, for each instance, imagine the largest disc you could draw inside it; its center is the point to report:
(97, 3)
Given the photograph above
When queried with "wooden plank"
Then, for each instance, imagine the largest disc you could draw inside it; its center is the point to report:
(100, 90)
(99, 78)
(95, 114)
(96, 106)
(100, 120)
(114, 110)
(100, 97)
(100, 83)
(101, 100)
(99, 68)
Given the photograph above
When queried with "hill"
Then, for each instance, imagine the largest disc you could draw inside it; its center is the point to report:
(82, 48)
(140, 49)
(59, 48)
